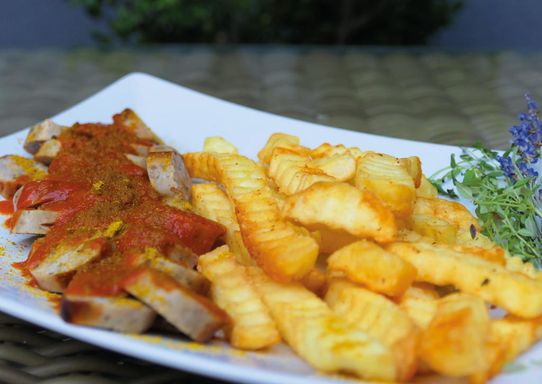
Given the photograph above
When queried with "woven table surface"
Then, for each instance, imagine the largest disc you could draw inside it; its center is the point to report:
(452, 98)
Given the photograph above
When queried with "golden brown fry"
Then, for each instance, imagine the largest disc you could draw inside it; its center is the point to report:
(420, 303)
(413, 166)
(389, 179)
(515, 264)
(341, 167)
(211, 202)
(410, 236)
(232, 291)
(472, 238)
(286, 252)
(480, 245)
(366, 263)
(380, 318)
(484, 250)
(434, 228)
(508, 337)
(291, 171)
(453, 212)
(340, 206)
(514, 292)
(328, 150)
(322, 338)
(494, 255)
(276, 140)
(454, 343)
(426, 189)
(218, 144)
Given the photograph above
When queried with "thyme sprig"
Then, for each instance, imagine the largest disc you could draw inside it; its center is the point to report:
(506, 189)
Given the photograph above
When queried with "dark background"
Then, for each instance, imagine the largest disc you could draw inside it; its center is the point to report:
(480, 24)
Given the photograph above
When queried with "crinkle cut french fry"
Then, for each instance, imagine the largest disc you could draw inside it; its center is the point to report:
(276, 140)
(211, 202)
(413, 166)
(389, 179)
(341, 206)
(515, 292)
(410, 236)
(341, 167)
(328, 150)
(454, 343)
(252, 325)
(420, 303)
(426, 189)
(380, 318)
(494, 255)
(433, 227)
(508, 337)
(286, 252)
(484, 249)
(453, 212)
(367, 263)
(515, 264)
(218, 144)
(323, 339)
(291, 171)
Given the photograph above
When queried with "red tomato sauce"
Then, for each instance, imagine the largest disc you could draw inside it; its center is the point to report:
(6, 207)
(92, 184)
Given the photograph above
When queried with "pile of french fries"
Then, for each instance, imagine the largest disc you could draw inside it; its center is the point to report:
(352, 259)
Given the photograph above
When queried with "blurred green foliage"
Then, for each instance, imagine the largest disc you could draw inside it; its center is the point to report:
(375, 22)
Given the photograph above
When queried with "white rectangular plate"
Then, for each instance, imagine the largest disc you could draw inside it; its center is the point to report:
(183, 118)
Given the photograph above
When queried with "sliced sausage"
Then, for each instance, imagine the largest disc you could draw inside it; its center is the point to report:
(161, 148)
(183, 255)
(33, 221)
(140, 161)
(48, 151)
(120, 314)
(57, 269)
(188, 277)
(168, 175)
(40, 133)
(181, 272)
(192, 314)
(140, 150)
(15, 198)
(132, 122)
(17, 170)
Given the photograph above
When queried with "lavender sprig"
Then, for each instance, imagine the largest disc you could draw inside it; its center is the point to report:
(505, 189)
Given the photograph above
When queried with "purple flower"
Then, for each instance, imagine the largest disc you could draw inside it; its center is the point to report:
(526, 142)
(526, 170)
(507, 166)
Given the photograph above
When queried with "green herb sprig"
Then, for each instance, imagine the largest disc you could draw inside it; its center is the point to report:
(505, 189)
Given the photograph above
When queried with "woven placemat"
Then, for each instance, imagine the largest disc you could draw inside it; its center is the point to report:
(452, 98)
(30, 355)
